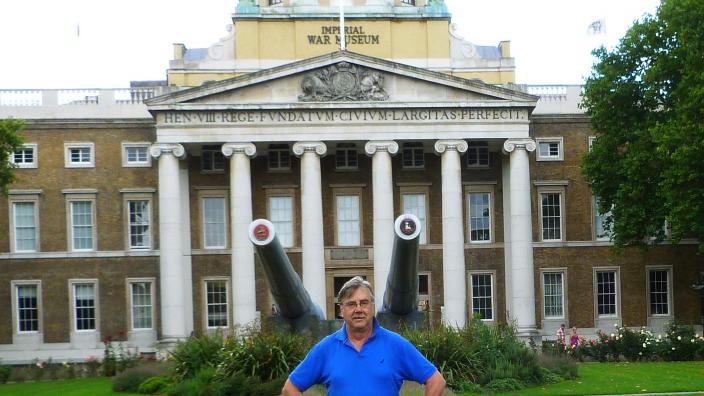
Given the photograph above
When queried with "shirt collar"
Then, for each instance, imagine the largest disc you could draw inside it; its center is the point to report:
(341, 335)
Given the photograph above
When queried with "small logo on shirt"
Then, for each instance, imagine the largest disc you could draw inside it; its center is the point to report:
(381, 361)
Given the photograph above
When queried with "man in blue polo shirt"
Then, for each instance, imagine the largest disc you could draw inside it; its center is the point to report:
(363, 358)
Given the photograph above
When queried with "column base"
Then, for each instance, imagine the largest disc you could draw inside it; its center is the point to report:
(165, 346)
(530, 336)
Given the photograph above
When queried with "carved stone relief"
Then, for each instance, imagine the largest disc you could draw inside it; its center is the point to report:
(343, 82)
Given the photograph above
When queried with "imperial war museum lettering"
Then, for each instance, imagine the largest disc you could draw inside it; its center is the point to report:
(353, 35)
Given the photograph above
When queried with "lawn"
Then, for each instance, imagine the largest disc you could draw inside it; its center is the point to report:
(625, 378)
(73, 387)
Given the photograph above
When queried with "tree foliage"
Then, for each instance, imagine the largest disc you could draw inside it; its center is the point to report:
(645, 99)
(10, 142)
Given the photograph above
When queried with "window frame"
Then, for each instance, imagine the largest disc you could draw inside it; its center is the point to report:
(130, 302)
(479, 189)
(560, 149)
(278, 148)
(215, 152)
(478, 146)
(412, 147)
(492, 284)
(228, 303)
(134, 197)
(668, 270)
(595, 215)
(96, 305)
(35, 157)
(82, 197)
(15, 284)
(68, 162)
(420, 191)
(126, 163)
(560, 190)
(617, 291)
(283, 193)
(23, 198)
(346, 148)
(348, 192)
(209, 194)
(428, 297)
(563, 302)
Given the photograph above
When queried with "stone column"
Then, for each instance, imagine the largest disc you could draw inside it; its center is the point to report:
(521, 244)
(171, 271)
(244, 296)
(453, 266)
(313, 244)
(383, 207)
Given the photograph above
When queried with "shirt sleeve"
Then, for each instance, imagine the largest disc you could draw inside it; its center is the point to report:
(310, 371)
(414, 365)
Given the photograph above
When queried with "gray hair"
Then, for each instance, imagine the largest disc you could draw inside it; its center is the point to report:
(352, 285)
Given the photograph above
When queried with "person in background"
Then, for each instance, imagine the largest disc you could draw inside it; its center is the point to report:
(574, 338)
(362, 358)
(561, 334)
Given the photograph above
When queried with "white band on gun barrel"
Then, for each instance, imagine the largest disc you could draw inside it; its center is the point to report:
(257, 226)
(409, 217)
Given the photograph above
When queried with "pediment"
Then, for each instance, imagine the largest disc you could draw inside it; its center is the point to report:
(343, 78)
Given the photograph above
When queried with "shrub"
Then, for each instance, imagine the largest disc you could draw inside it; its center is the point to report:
(5, 372)
(559, 364)
(682, 342)
(200, 384)
(504, 385)
(130, 379)
(92, 365)
(240, 384)
(195, 354)
(36, 369)
(153, 385)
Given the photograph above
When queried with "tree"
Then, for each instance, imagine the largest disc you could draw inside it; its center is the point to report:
(10, 142)
(645, 99)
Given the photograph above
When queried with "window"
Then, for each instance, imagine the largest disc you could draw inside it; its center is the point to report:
(551, 216)
(415, 204)
(553, 295)
(79, 155)
(281, 215)
(136, 155)
(274, 2)
(27, 298)
(478, 155)
(346, 156)
(606, 293)
(26, 157)
(479, 217)
(279, 157)
(84, 305)
(549, 149)
(482, 296)
(214, 217)
(659, 291)
(409, 2)
(424, 291)
(347, 215)
(139, 219)
(216, 303)
(24, 226)
(212, 159)
(412, 155)
(141, 302)
(600, 233)
(81, 228)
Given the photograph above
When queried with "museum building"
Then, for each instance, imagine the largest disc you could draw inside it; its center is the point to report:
(129, 219)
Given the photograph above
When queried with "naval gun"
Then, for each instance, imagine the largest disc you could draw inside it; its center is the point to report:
(400, 304)
(296, 310)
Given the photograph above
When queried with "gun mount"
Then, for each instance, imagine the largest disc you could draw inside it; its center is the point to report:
(297, 312)
(400, 304)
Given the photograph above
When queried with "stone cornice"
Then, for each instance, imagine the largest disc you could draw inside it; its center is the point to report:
(373, 146)
(177, 150)
(512, 144)
(299, 148)
(248, 149)
(443, 145)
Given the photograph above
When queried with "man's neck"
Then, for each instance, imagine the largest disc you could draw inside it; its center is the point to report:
(359, 337)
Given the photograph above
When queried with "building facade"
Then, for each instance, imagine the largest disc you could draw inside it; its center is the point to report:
(130, 216)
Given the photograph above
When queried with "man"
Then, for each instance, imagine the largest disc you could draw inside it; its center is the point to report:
(561, 334)
(363, 358)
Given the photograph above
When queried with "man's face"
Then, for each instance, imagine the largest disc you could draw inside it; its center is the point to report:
(358, 310)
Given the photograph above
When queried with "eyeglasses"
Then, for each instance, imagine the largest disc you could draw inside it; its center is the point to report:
(354, 304)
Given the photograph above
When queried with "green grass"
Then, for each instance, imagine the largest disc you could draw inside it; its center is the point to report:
(624, 378)
(74, 387)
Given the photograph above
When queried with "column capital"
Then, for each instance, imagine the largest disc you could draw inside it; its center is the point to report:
(372, 146)
(156, 150)
(299, 148)
(443, 145)
(246, 148)
(512, 144)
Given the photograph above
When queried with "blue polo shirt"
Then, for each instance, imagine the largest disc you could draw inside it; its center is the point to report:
(385, 360)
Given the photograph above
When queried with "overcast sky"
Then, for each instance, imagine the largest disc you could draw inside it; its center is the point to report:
(108, 43)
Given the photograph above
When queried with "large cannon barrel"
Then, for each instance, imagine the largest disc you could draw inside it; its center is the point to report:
(292, 299)
(401, 296)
